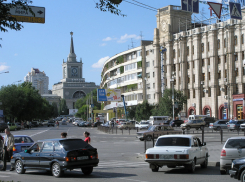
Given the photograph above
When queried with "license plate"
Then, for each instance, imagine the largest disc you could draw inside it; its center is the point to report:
(166, 156)
(82, 158)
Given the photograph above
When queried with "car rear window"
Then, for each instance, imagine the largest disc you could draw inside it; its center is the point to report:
(173, 141)
(22, 139)
(73, 144)
(235, 143)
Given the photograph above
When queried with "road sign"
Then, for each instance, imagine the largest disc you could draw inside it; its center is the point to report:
(92, 105)
(190, 5)
(235, 10)
(26, 16)
(216, 7)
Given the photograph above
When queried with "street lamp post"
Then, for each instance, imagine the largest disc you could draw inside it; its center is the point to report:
(172, 81)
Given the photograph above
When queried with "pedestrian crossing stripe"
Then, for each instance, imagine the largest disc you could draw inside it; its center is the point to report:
(235, 11)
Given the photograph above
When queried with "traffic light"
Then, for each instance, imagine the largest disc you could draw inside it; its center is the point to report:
(115, 1)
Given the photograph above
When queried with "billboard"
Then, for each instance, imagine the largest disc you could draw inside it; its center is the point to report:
(72, 111)
(113, 95)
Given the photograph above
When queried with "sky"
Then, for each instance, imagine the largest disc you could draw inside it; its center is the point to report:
(97, 36)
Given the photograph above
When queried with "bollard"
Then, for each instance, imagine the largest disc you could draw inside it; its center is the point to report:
(129, 131)
(137, 129)
(116, 130)
(221, 134)
(183, 132)
(202, 136)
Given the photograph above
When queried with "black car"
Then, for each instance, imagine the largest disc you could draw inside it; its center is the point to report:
(237, 169)
(176, 123)
(57, 155)
(97, 123)
(3, 126)
(209, 120)
(51, 123)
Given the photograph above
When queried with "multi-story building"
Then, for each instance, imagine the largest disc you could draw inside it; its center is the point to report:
(38, 79)
(72, 86)
(126, 70)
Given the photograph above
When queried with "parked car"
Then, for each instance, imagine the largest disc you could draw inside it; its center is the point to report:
(3, 126)
(21, 143)
(57, 155)
(126, 125)
(197, 123)
(63, 122)
(97, 123)
(12, 126)
(242, 126)
(166, 122)
(237, 169)
(209, 120)
(235, 124)
(218, 125)
(176, 123)
(177, 150)
(234, 148)
(88, 124)
(143, 125)
(81, 123)
(156, 130)
(34, 124)
(106, 124)
(51, 123)
(120, 120)
(18, 126)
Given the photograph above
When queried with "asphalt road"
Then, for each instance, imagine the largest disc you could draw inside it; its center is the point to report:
(121, 159)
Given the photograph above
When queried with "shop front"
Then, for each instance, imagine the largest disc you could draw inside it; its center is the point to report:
(238, 106)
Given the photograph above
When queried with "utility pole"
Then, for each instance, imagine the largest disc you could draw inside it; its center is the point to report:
(92, 119)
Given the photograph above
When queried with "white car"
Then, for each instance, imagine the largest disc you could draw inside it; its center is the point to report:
(177, 150)
(143, 125)
(234, 148)
(242, 126)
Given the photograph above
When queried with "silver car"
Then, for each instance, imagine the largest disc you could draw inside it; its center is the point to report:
(234, 148)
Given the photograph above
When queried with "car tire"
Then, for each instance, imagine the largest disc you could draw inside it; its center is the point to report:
(188, 127)
(19, 167)
(201, 127)
(222, 172)
(148, 138)
(205, 163)
(242, 176)
(141, 139)
(218, 128)
(87, 170)
(156, 169)
(191, 167)
(56, 170)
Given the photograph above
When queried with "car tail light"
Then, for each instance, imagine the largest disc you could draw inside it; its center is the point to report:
(67, 159)
(223, 152)
(73, 158)
(14, 149)
(94, 156)
(152, 156)
(228, 125)
(185, 156)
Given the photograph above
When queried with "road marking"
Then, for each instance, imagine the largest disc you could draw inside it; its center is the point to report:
(127, 179)
(4, 176)
(38, 133)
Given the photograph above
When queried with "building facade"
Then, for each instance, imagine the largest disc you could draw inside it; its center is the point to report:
(52, 98)
(38, 79)
(72, 86)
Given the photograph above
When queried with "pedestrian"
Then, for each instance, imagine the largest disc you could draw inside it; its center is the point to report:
(8, 145)
(57, 123)
(87, 138)
(112, 123)
(63, 135)
(28, 124)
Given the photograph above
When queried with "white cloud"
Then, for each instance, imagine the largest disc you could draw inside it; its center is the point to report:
(104, 44)
(107, 39)
(3, 67)
(100, 63)
(125, 37)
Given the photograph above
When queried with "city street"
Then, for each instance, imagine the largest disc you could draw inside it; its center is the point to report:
(121, 159)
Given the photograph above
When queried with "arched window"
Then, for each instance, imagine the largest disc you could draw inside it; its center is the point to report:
(223, 111)
(79, 94)
(207, 112)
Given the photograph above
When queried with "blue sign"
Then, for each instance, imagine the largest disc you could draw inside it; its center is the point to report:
(235, 10)
(92, 105)
(190, 5)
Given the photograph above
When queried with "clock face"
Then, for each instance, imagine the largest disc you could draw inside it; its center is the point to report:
(164, 25)
(74, 70)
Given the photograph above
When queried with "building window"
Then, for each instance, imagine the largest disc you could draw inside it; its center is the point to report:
(187, 50)
(209, 77)
(178, 52)
(194, 93)
(237, 90)
(193, 78)
(188, 78)
(147, 64)
(218, 91)
(225, 74)
(242, 55)
(225, 58)
(208, 46)
(202, 46)
(243, 70)
(235, 40)
(235, 56)
(219, 59)
(203, 92)
(153, 74)
(147, 75)
(188, 65)
(174, 67)
(225, 87)
(173, 53)
(153, 85)
(188, 96)
(218, 43)
(203, 76)
(225, 43)
(193, 64)
(154, 96)
(209, 92)
(148, 86)
(193, 50)
(148, 96)
(147, 53)
(203, 62)
(236, 72)
(242, 38)
(208, 61)
(219, 74)
(153, 63)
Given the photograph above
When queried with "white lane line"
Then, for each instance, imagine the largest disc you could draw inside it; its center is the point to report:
(38, 133)
(4, 176)
(105, 164)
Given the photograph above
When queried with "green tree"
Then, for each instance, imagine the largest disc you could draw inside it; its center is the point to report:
(63, 110)
(143, 111)
(55, 109)
(131, 111)
(164, 108)
(82, 112)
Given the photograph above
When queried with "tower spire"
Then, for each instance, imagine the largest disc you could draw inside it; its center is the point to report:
(72, 56)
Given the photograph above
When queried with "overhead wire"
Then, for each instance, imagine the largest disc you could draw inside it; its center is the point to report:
(145, 4)
(140, 6)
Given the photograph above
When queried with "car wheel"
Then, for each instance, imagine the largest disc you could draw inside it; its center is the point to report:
(19, 167)
(156, 169)
(56, 170)
(141, 139)
(87, 170)
(205, 163)
(148, 138)
(192, 167)
(188, 127)
(218, 128)
(201, 127)
(242, 177)
(222, 171)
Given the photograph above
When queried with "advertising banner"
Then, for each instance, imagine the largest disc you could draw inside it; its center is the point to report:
(113, 95)
(72, 111)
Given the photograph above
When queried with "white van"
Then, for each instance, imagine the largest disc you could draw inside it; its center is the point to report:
(159, 120)
(191, 117)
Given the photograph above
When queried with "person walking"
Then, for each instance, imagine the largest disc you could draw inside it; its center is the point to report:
(87, 138)
(28, 124)
(8, 145)
(63, 135)
(57, 123)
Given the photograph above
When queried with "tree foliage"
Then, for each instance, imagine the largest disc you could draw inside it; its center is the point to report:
(108, 5)
(63, 109)
(131, 112)
(143, 111)
(23, 102)
(164, 108)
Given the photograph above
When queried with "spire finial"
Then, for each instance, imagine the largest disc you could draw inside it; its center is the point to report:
(71, 33)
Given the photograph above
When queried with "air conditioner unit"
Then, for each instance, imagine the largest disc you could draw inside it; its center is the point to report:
(202, 82)
(225, 79)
